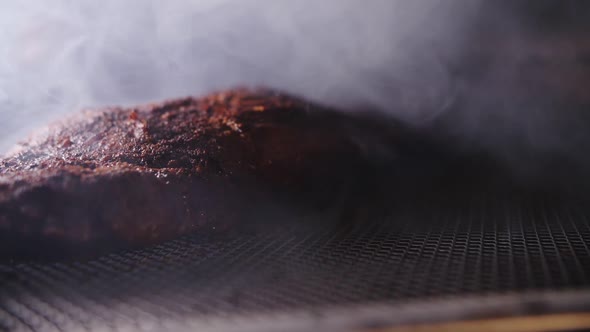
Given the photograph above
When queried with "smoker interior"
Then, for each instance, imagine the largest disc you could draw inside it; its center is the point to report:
(465, 232)
(447, 235)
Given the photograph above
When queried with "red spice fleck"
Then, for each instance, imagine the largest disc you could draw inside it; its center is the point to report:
(65, 142)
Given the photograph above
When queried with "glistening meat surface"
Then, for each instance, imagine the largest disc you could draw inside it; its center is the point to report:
(141, 175)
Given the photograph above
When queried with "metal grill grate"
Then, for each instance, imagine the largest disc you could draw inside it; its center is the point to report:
(490, 247)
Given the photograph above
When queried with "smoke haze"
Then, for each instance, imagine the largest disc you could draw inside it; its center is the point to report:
(62, 55)
(465, 62)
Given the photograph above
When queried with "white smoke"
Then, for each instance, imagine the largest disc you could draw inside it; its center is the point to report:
(61, 55)
(406, 58)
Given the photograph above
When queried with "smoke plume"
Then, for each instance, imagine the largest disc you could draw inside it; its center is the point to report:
(484, 72)
(59, 56)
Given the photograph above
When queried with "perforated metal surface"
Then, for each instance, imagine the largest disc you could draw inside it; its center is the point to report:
(476, 246)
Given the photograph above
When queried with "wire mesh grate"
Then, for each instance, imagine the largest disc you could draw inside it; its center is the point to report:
(478, 246)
